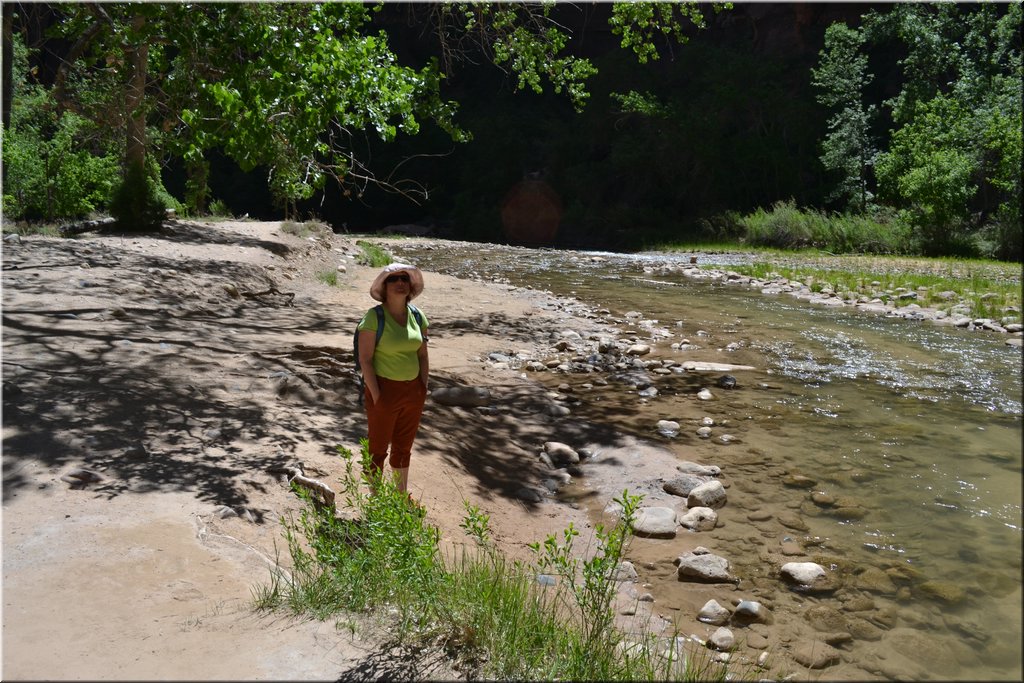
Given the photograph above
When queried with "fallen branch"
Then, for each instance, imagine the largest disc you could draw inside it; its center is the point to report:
(315, 485)
(296, 476)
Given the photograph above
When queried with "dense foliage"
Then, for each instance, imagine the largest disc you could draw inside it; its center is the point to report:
(905, 129)
(56, 166)
(952, 166)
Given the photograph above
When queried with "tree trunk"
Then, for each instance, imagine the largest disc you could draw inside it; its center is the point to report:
(8, 57)
(135, 113)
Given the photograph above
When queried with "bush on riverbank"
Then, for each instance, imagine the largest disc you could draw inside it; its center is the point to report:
(882, 231)
(787, 227)
(547, 620)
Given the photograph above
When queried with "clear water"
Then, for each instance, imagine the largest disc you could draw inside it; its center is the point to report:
(918, 425)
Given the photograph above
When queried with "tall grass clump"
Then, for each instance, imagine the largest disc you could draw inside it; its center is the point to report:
(786, 226)
(328, 277)
(372, 256)
(546, 619)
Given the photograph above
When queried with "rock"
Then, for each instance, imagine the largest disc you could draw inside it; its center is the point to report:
(874, 580)
(655, 522)
(751, 612)
(626, 572)
(79, 476)
(815, 654)
(682, 485)
(700, 470)
(713, 613)
(224, 511)
(705, 395)
(823, 499)
(726, 382)
(703, 567)
(638, 350)
(861, 629)
(463, 396)
(825, 618)
(561, 454)
(529, 495)
(136, 452)
(704, 432)
(944, 591)
(699, 519)
(710, 494)
(667, 428)
(722, 639)
(791, 548)
(808, 576)
(699, 366)
(798, 481)
(792, 521)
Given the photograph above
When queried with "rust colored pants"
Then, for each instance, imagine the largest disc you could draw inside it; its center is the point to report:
(394, 419)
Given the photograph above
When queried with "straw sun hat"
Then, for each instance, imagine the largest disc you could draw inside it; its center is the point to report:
(415, 280)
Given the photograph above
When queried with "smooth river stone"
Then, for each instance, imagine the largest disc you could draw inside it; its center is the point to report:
(655, 522)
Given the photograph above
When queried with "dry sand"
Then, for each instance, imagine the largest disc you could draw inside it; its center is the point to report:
(181, 367)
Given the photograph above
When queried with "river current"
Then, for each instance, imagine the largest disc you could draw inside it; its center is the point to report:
(910, 431)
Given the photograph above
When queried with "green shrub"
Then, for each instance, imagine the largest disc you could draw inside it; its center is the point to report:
(220, 209)
(373, 256)
(328, 277)
(56, 167)
(136, 203)
(491, 614)
(784, 227)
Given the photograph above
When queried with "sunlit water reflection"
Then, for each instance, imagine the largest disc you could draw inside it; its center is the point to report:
(918, 425)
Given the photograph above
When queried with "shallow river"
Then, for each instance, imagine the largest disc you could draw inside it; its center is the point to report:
(913, 429)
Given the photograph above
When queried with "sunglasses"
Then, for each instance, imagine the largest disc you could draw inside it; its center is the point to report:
(396, 278)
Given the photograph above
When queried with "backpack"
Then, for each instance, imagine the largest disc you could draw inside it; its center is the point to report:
(379, 310)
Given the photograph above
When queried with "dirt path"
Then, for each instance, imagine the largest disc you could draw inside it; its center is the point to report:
(179, 368)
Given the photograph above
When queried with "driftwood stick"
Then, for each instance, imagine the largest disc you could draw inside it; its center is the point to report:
(296, 475)
(317, 486)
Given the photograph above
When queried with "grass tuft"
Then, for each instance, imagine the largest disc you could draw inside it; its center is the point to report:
(373, 256)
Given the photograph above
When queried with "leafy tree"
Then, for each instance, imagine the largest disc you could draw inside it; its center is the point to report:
(286, 86)
(521, 38)
(54, 167)
(848, 149)
(299, 88)
(953, 163)
(640, 24)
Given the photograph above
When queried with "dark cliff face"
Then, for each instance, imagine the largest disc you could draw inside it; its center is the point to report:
(786, 29)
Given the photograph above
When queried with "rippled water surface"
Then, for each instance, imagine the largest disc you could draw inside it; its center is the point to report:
(915, 425)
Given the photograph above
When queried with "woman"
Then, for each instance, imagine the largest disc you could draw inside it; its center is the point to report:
(395, 369)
